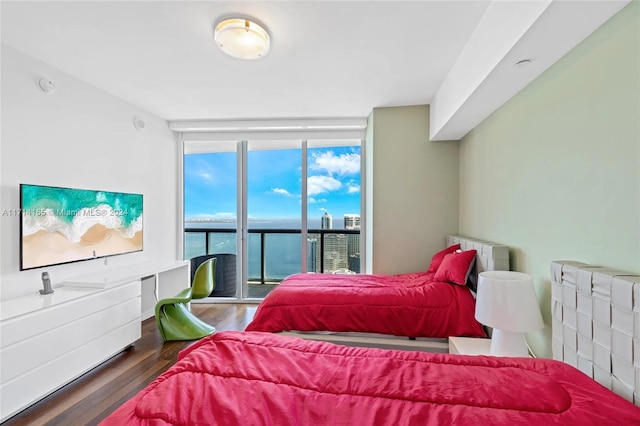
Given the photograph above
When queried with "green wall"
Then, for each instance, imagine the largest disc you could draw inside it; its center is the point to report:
(412, 190)
(555, 172)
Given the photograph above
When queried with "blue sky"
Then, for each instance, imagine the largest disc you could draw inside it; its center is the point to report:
(274, 183)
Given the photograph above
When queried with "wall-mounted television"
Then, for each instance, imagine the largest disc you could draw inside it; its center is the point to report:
(63, 225)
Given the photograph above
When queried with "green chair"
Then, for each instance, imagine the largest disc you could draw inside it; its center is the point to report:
(175, 320)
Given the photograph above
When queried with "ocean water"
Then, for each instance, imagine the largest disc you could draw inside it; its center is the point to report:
(282, 251)
(66, 204)
(72, 212)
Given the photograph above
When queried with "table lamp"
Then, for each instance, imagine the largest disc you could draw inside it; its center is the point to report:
(507, 302)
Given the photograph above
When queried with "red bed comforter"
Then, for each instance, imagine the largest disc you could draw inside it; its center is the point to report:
(241, 378)
(412, 305)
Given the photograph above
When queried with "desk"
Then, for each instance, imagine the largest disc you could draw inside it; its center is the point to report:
(159, 280)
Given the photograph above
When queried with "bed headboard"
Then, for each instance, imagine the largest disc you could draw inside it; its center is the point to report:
(596, 324)
(490, 256)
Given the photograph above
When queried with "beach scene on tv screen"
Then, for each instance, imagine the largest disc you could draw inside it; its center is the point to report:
(61, 225)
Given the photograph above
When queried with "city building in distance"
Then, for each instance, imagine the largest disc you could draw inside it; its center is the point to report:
(351, 221)
(341, 251)
(326, 221)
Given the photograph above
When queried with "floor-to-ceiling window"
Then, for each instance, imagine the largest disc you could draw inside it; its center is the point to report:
(333, 206)
(211, 209)
(274, 183)
(270, 208)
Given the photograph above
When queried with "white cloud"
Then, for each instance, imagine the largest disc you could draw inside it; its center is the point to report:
(322, 184)
(206, 176)
(311, 200)
(202, 171)
(225, 215)
(344, 164)
(353, 188)
(216, 216)
(281, 191)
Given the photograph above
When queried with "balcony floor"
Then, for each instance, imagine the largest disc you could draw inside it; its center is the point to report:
(260, 290)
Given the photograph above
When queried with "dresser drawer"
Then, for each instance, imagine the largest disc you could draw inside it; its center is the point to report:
(86, 302)
(35, 384)
(42, 349)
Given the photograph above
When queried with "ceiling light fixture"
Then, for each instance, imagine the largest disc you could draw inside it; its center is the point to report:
(242, 38)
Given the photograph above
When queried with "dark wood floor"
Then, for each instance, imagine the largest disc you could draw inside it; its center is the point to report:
(92, 397)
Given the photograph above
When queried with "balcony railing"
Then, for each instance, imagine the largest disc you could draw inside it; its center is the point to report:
(319, 236)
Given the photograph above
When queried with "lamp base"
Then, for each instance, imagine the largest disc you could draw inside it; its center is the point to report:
(508, 343)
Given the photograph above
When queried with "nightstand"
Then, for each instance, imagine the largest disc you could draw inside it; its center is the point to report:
(469, 346)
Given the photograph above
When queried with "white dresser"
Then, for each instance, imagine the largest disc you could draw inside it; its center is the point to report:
(49, 340)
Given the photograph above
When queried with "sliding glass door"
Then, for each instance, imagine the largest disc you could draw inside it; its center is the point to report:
(270, 208)
(211, 210)
(273, 213)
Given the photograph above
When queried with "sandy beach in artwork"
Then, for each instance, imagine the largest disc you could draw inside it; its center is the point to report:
(45, 248)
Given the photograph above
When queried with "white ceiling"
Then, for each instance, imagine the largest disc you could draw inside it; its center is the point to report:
(327, 59)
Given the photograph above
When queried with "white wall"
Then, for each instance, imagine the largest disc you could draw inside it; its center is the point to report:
(82, 137)
(412, 190)
(555, 172)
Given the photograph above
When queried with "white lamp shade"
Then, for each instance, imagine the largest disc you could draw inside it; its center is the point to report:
(507, 301)
(242, 38)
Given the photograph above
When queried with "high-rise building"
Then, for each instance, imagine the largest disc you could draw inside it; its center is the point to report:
(351, 221)
(327, 221)
(313, 254)
(353, 244)
(354, 263)
(335, 252)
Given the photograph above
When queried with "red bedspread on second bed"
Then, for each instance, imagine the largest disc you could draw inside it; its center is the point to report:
(412, 305)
